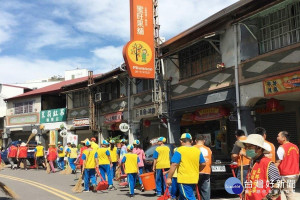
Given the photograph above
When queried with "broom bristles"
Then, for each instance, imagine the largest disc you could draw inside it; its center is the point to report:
(8, 191)
(48, 168)
(78, 186)
(68, 170)
(30, 137)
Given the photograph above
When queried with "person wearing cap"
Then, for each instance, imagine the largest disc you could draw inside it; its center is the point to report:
(22, 155)
(263, 172)
(141, 154)
(123, 150)
(204, 175)
(61, 155)
(130, 164)
(161, 163)
(90, 163)
(105, 163)
(114, 157)
(39, 155)
(72, 154)
(288, 163)
(238, 155)
(174, 192)
(94, 145)
(12, 155)
(188, 160)
(52, 156)
(272, 155)
(81, 152)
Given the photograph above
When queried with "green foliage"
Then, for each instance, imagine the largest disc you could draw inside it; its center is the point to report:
(117, 139)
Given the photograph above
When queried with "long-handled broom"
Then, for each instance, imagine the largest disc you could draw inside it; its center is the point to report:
(8, 191)
(68, 170)
(78, 185)
(48, 167)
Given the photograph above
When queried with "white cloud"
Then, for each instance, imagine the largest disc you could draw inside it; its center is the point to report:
(109, 54)
(7, 23)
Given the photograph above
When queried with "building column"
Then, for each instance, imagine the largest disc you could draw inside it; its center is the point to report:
(247, 121)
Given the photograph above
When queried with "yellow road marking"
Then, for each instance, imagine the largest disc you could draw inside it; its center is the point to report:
(43, 187)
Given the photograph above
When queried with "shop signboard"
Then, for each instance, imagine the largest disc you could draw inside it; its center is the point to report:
(81, 122)
(53, 115)
(139, 52)
(282, 84)
(113, 118)
(23, 119)
(124, 127)
(146, 112)
(206, 114)
(73, 139)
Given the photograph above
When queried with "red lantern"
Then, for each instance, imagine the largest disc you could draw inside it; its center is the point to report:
(273, 104)
(113, 127)
(147, 123)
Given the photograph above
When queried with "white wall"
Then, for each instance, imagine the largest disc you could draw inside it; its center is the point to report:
(77, 73)
(36, 104)
(7, 92)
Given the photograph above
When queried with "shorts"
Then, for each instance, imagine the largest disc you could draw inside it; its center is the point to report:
(40, 160)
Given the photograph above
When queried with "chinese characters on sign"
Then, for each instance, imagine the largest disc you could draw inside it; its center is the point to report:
(139, 52)
(113, 118)
(81, 122)
(54, 115)
(145, 112)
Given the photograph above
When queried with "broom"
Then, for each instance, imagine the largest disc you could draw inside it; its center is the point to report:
(78, 186)
(2, 165)
(8, 191)
(48, 168)
(34, 132)
(68, 170)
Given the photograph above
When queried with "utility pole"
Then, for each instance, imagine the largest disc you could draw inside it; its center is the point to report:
(91, 102)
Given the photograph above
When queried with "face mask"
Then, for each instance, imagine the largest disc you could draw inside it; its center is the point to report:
(250, 153)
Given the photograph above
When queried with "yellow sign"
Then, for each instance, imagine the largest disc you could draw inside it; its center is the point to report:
(139, 53)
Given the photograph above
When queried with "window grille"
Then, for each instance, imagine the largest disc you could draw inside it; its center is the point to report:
(279, 28)
(80, 99)
(198, 58)
(23, 108)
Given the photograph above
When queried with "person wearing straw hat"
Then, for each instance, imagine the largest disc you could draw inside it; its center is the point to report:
(263, 180)
(40, 155)
(161, 163)
(52, 156)
(188, 160)
(22, 155)
(90, 163)
(114, 157)
(141, 154)
(130, 163)
(61, 156)
(105, 163)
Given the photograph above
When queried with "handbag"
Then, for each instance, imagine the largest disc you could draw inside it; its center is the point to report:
(102, 185)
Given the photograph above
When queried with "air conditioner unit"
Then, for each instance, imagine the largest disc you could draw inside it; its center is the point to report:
(98, 97)
(101, 97)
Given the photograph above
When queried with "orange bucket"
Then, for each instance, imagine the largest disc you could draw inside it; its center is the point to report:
(148, 181)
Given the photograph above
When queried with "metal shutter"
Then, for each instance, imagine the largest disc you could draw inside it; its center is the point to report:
(274, 123)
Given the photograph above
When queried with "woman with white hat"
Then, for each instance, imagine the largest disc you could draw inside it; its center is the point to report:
(263, 181)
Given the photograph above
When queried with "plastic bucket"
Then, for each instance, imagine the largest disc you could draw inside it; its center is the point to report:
(148, 181)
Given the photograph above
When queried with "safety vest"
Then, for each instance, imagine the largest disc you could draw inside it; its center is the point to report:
(94, 145)
(206, 152)
(61, 152)
(73, 153)
(39, 151)
(52, 155)
(271, 155)
(245, 161)
(90, 162)
(102, 157)
(113, 154)
(12, 151)
(22, 152)
(257, 185)
(163, 160)
(290, 163)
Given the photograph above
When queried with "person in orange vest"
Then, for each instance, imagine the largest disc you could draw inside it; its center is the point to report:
(238, 155)
(22, 155)
(12, 155)
(270, 146)
(204, 175)
(263, 180)
(288, 164)
(52, 156)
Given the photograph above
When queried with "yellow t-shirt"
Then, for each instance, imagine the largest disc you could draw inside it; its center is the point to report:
(103, 154)
(73, 153)
(90, 155)
(188, 169)
(131, 163)
(113, 154)
(163, 158)
(94, 145)
(175, 173)
(62, 153)
(39, 151)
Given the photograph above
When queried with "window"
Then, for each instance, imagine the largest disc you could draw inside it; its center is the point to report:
(24, 107)
(144, 85)
(80, 99)
(279, 27)
(198, 58)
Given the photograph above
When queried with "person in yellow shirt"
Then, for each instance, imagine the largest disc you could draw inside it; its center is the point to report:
(90, 163)
(188, 160)
(105, 163)
(72, 152)
(61, 155)
(114, 157)
(204, 175)
(161, 163)
(130, 163)
(40, 155)
(94, 145)
(174, 192)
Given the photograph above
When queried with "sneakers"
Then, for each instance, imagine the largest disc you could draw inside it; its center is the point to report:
(94, 188)
(111, 187)
(85, 190)
(131, 196)
(142, 189)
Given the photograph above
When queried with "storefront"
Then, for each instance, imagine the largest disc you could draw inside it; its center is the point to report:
(80, 130)
(110, 125)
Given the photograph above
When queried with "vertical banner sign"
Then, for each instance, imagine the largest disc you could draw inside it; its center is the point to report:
(139, 52)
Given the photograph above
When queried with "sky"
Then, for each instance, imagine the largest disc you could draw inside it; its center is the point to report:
(43, 38)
